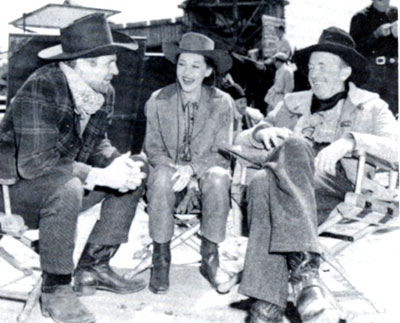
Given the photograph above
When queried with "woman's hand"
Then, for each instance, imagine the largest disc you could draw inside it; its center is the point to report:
(181, 177)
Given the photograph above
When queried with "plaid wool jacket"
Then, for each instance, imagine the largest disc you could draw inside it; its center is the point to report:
(40, 132)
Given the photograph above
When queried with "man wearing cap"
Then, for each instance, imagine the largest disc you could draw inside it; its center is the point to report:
(244, 117)
(282, 44)
(283, 82)
(374, 30)
(55, 153)
(306, 142)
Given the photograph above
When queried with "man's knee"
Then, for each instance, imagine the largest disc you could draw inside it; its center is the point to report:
(259, 183)
(73, 190)
(296, 143)
(217, 177)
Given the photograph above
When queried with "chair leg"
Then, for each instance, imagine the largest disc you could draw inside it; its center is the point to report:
(30, 303)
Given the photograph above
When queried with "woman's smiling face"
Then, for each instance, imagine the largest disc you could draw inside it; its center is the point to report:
(191, 71)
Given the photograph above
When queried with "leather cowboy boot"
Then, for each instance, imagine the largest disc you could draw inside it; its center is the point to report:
(265, 312)
(209, 261)
(310, 298)
(94, 272)
(159, 279)
(61, 304)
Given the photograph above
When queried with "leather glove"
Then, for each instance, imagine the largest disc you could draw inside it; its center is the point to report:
(383, 30)
(394, 29)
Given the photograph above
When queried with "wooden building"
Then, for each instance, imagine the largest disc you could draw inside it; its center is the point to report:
(233, 24)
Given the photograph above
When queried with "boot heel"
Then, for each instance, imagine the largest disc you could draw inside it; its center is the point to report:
(81, 290)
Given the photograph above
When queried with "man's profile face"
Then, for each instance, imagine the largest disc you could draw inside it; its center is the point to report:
(327, 74)
(381, 5)
(98, 72)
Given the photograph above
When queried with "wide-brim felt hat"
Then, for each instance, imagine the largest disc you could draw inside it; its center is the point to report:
(338, 42)
(89, 36)
(198, 44)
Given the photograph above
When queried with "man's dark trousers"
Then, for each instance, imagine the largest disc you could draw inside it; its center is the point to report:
(283, 201)
(53, 203)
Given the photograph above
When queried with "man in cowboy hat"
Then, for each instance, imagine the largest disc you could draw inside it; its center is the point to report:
(55, 152)
(283, 81)
(305, 175)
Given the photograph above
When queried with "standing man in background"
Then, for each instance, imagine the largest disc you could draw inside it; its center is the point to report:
(374, 29)
(283, 81)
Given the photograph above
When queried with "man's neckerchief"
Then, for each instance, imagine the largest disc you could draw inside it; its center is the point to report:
(318, 105)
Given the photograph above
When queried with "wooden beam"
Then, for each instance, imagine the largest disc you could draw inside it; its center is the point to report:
(239, 4)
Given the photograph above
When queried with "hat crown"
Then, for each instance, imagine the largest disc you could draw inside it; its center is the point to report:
(86, 33)
(196, 42)
(337, 36)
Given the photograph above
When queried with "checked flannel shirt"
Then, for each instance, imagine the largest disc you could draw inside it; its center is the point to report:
(40, 132)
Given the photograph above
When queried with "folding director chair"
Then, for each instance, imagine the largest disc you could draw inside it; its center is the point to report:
(13, 227)
(187, 233)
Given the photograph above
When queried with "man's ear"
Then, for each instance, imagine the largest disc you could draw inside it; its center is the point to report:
(345, 73)
(208, 71)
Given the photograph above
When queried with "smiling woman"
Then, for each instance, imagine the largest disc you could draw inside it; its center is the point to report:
(186, 124)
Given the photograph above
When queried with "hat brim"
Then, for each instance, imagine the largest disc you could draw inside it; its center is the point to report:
(56, 52)
(358, 63)
(221, 59)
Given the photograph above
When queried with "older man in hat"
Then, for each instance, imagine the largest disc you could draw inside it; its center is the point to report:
(283, 81)
(55, 152)
(305, 175)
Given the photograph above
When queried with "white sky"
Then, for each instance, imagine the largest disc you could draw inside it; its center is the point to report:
(131, 11)
(305, 18)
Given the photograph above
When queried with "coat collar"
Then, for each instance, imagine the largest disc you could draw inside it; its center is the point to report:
(300, 102)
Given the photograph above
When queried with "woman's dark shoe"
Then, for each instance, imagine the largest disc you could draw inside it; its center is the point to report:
(209, 261)
(94, 272)
(159, 278)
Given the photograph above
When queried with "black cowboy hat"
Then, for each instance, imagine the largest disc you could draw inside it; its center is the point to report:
(89, 36)
(336, 41)
(199, 44)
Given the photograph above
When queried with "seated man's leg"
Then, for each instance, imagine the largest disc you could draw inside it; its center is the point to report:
(117, 213)
(285, 238)
(265, 274)
(215, 201)
(55, 200)
(161, 203)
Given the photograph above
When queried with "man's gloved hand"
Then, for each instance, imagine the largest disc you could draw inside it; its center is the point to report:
(383, 30)
(123, 174)
(394, 29)
(273, 137)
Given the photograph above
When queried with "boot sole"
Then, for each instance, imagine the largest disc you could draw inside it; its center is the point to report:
(158, 292)
(91, 290)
